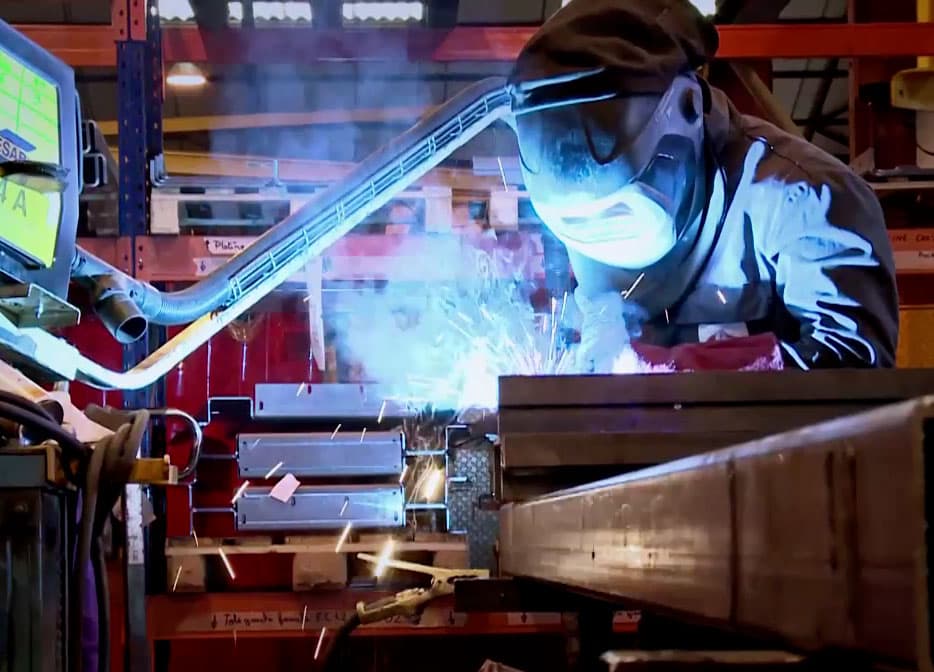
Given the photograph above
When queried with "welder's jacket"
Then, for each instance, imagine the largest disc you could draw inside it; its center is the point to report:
(800, 250)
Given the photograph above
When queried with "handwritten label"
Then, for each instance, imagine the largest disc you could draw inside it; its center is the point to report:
(274, 620)
(914, 260)
(205, 265)
(913, 240)
(226, 247)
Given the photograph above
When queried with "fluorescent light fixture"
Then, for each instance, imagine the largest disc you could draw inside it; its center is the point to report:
(282, 11)
(176, 10)
(706, 7)
(297, 11)
(235, 12)
(383, 11)
(185, 76)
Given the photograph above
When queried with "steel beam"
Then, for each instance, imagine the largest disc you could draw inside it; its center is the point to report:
(817, 538)
(562, 421)
(83, 46)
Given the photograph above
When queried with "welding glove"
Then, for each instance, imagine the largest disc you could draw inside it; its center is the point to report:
(604, 333)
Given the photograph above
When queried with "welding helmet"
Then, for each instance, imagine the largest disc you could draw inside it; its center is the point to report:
(612, 175)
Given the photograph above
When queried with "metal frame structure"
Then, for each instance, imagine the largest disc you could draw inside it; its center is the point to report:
(817, 538)
(89, 45)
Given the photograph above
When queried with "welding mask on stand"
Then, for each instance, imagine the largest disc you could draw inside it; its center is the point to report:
(612, 175)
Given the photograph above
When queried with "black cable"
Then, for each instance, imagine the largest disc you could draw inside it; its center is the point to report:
(924, 150)
(85, 536)
(25, 404)
(7, 639)
(40, 422)
(119, 454)
(99, 564)
(71, 447)
(341, 636)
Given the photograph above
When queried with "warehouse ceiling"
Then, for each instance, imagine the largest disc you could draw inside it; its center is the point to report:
(351, 108)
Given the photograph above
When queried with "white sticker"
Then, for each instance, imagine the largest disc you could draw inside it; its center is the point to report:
(285, 488)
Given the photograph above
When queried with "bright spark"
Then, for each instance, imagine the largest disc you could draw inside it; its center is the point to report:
(336, 430)
(384, 555)
(433, 483)
(344, 507)
(502, 172)
(564, 305)
(304, 616)
(320, 642)
(721, 296)
(341, 539)
(239, 493)
(472, 338)
(298, 392)
(382, 410)
(633, 286)
(220, 552)
(195, 535)
(405, 470)
(667, 321)
(363, 435)
(276, 468)
(178, 575)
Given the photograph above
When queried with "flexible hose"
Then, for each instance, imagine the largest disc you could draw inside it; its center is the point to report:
(71, 447)
(99, 565)
(25, 404)
(85, 535)
(340, 637)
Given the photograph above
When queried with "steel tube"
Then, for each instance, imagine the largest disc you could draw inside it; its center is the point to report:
(815, 537)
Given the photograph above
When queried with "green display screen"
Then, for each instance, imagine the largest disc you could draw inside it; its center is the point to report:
(29, 131)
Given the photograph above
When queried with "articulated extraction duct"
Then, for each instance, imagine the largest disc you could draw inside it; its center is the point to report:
(324, 219)
(287, 247)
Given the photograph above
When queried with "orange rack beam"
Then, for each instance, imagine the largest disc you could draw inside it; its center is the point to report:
(83, 46)
(220, 615)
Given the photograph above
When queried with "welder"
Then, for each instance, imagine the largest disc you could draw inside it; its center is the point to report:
(684, 220)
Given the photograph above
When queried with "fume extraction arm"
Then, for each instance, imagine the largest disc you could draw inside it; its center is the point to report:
(214, 302)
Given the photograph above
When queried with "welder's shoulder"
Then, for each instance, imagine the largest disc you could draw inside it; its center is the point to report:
(801, 189)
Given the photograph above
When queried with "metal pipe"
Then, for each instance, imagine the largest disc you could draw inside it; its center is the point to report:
(817, 537)
(195, 454)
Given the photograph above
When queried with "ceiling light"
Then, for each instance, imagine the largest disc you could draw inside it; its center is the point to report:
(383, 11)
(185, 76)
(235, 12)
(282, 11)
(706, 7)
(176, 10)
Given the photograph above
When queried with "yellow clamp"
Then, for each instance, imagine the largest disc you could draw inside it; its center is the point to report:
(409, 602)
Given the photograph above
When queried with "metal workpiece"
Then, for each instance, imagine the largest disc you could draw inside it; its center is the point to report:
(560, 421)
(321, 455)
(702, 661)
(815, 537)
(327, 401)
(322, 508)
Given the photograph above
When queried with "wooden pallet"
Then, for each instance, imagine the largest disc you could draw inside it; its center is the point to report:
(317, 562)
